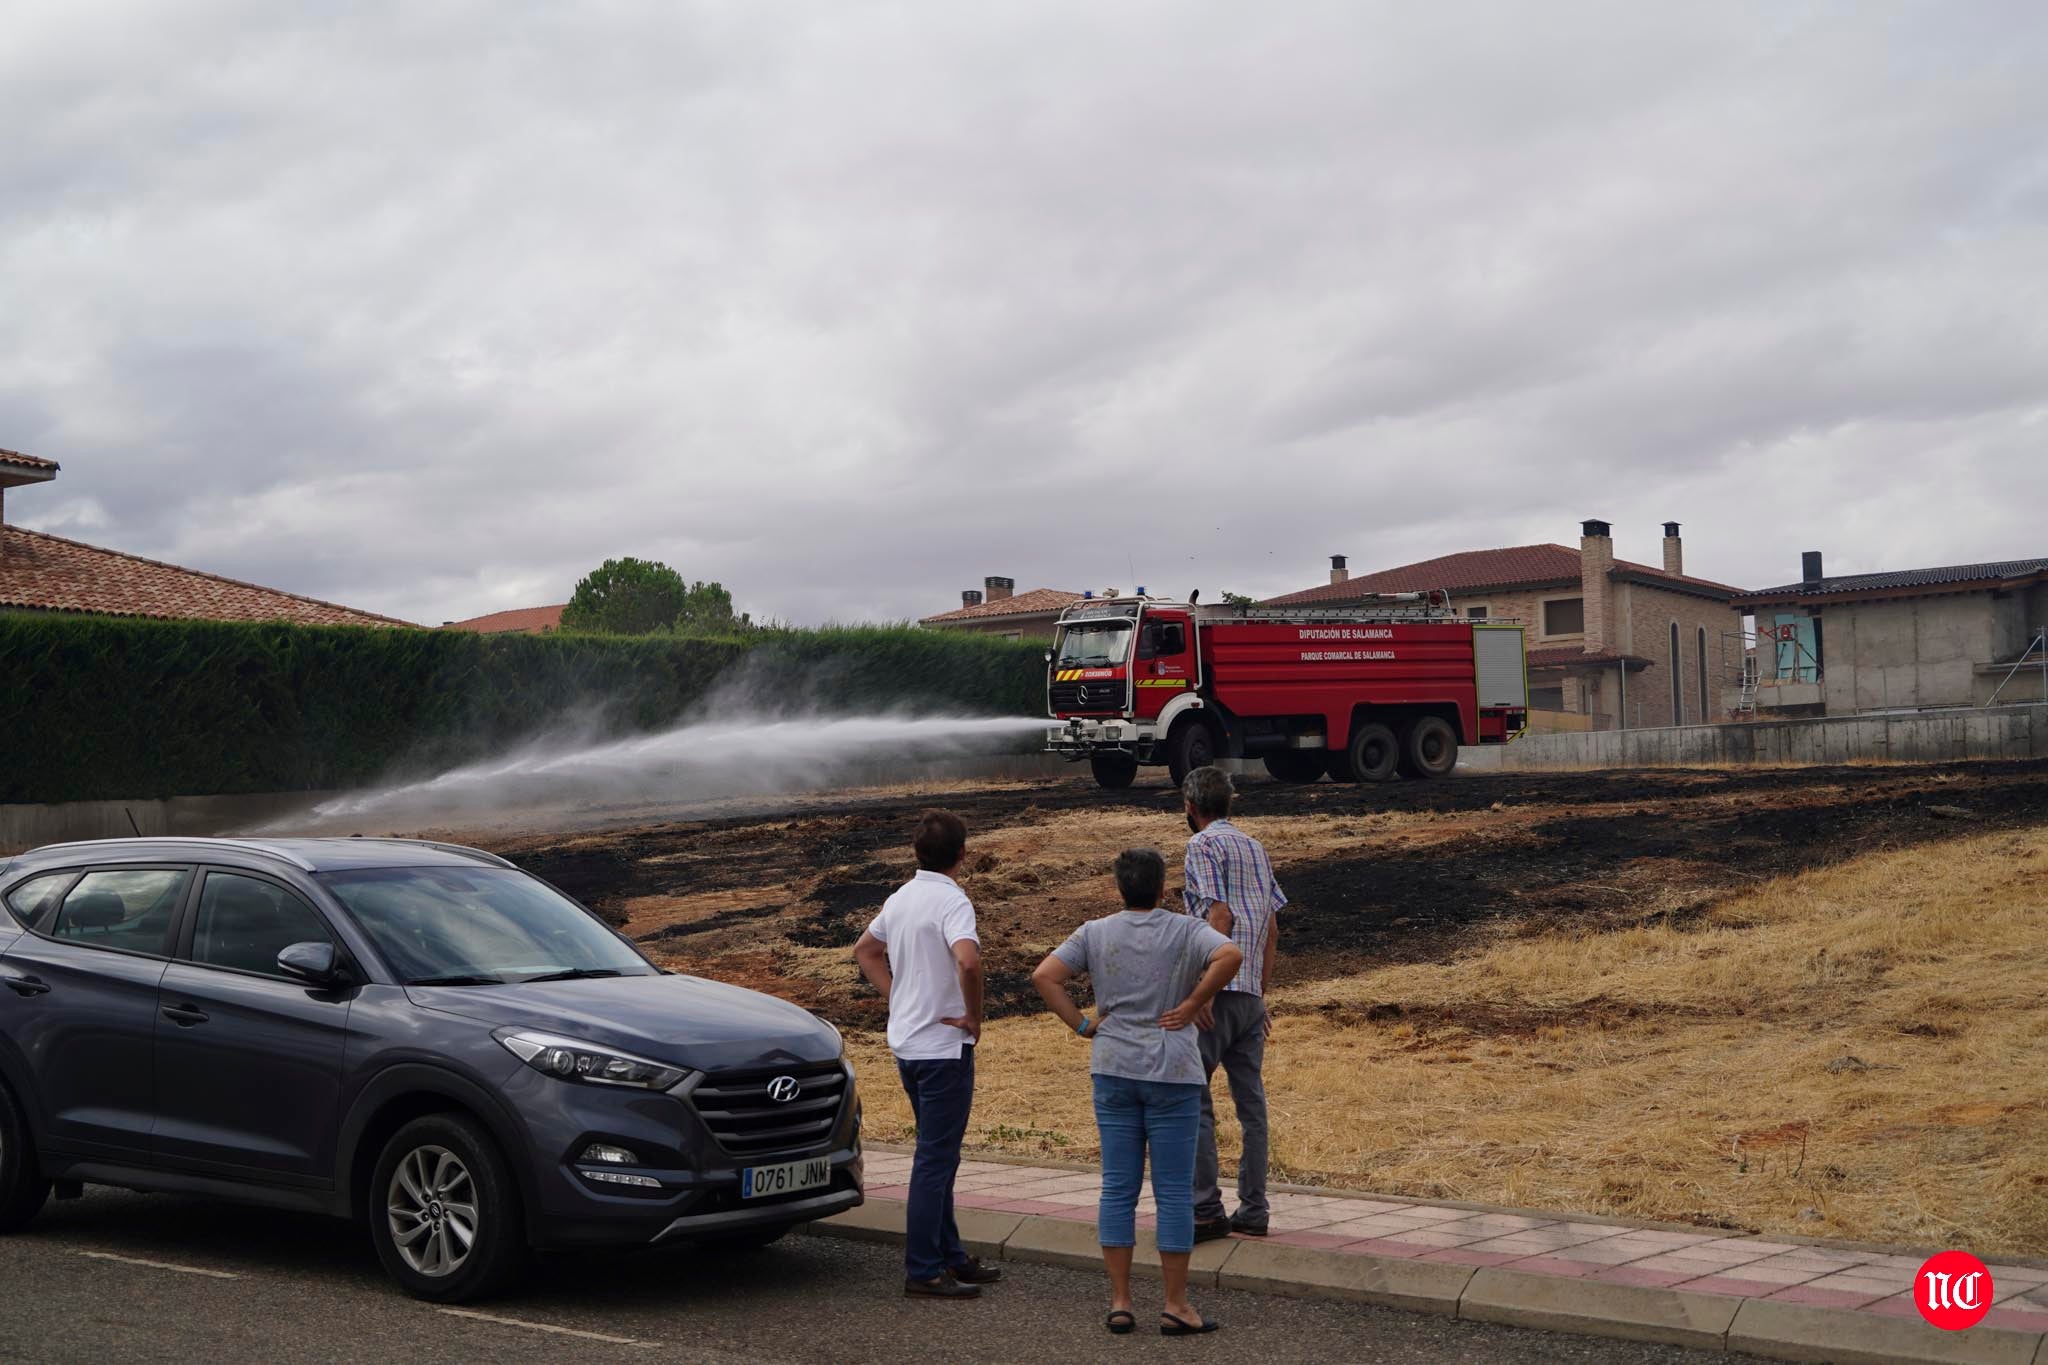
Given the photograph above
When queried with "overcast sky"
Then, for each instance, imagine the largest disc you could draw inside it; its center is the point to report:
(429, 307)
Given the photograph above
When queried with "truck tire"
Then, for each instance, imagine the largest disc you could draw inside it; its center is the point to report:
(1296, 765)
(1190, 747)
(1429, 749)
(1114, 771)
(1373, 754)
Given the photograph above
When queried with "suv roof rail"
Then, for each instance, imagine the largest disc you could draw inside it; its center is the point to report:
(461, 850)
(185, 840)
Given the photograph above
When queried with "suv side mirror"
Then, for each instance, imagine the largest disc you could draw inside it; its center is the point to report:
(316, 964)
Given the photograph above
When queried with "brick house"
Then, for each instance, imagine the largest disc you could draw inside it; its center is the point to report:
(1900, 639)
(1004, 612)
(1612, 644)
(45, 573)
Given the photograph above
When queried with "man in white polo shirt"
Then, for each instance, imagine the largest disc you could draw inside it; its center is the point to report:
(923, 955)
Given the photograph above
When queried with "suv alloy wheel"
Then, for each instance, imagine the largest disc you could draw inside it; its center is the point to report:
(444, 1211)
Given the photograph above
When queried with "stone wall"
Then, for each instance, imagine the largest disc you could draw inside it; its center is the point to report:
(1944, 736)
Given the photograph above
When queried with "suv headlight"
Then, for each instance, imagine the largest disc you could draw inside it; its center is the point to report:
(569, 1060)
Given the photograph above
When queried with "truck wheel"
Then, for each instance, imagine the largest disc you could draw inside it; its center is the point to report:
(1430, 748)
(1191, 747)
(1114, 771)
(1371, 756)
(22, 1187)
(1296, 765)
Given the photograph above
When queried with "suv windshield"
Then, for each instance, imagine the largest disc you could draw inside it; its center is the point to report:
(460, 926)
(1095, 643)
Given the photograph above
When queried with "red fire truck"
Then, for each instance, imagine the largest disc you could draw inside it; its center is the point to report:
(1360, 690)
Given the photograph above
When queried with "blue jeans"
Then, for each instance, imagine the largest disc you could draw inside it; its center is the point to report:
(941, 1095)
(1132, 1116)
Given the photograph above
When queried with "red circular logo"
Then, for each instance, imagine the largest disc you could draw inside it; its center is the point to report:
(1953, 1290)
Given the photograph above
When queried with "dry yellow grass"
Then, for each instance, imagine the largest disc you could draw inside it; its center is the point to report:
(1691, 1073)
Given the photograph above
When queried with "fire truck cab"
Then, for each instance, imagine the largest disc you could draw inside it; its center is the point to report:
(1362, 691)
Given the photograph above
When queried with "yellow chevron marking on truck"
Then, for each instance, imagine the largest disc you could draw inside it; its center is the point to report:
(1162, 682)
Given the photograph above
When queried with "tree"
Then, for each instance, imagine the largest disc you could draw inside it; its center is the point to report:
(642, 597)
(707, 610)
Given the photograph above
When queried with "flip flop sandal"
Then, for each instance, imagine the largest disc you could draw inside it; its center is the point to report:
(1183, 1328)
(1122, 1322)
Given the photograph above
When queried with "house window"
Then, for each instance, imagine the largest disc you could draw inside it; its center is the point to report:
(1564, 616)
(1546, 699)
(1475, 613)
(1706, 711)
(1677, 685)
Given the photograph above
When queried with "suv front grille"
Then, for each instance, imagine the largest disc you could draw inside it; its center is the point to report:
(737, 1108)
(1088, 696)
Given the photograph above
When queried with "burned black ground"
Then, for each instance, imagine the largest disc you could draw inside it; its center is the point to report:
(1465, 857)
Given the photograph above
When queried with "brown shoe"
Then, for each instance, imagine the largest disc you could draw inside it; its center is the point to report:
(972, 1271)
(944, 1287)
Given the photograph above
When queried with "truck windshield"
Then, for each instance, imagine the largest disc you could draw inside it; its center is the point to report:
(1095, 643)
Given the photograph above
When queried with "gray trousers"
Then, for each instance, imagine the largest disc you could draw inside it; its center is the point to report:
(1237, 1044)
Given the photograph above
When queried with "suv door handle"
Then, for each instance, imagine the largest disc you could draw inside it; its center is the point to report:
(25, 985)
(185, 1016)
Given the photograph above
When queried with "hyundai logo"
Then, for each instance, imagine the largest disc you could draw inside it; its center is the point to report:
(783, 1089)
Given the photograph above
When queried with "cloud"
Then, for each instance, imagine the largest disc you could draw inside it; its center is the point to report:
(428, 309)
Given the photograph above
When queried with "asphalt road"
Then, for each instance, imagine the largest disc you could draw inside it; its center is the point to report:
(118, 1276)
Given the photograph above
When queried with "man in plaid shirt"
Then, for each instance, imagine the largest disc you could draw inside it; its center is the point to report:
(1229, 882)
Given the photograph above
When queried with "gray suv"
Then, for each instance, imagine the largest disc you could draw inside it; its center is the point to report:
(418, 1036)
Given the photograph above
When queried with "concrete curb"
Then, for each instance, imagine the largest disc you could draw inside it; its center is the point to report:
(1721, 1322)
(1303, 1272)
(1598, 1308)
(1790, 1331)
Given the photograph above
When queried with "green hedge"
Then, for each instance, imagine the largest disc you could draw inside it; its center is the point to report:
(95, 708)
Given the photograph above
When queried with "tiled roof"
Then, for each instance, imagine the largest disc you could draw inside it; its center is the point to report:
(49, 573)
(21, 461)
(1518, 566)
(521, 620)
(1908, 581)
(1037, 602)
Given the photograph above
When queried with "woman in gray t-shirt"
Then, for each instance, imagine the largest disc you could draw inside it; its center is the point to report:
(1152, 971)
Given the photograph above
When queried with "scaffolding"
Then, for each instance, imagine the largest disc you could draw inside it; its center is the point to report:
(1791, 662)
(2037, 651)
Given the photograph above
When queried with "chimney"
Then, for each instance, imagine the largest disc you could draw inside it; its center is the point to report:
(1000, 589)
(970, 598)
(1674, 550)
(1596, 563)
(1338, 573)
(1809, 567)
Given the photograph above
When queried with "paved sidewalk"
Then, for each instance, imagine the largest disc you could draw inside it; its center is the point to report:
(1783, 1299)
